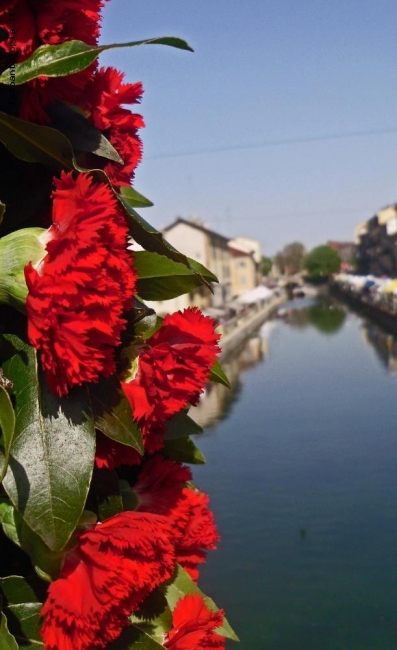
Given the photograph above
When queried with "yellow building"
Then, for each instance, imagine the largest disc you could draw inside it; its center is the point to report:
(243, 268)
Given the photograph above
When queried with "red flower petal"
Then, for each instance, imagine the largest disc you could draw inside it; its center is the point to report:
(84, 284)
(38, 94)
(198, 532)
(160, 485)
(103, 101)
(194, 625)
(44, 22)
(110, 454)
(114, 567)
(172, 372)
(17, 20)
(161, 488)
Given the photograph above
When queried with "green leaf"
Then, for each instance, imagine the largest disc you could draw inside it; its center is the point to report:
(149, 625)
(218, 375)
(183, 450)
(46, 562)
(7, 425)
(199, 268)
(33, 143)
(17, 590)
(147, 326)
(132, 638)
(110, 506)
(23, 599)
(180, 586)
(129, 496)
(113, 415)
(105, 496)
(151, 239)
(180, 426)
(7, 640)
(82, 135)
(27, 626)
(71, 57)
(142, 322)
(154, 616)
(161, 278)
(134, 198)
(17, 249)
(52, 454)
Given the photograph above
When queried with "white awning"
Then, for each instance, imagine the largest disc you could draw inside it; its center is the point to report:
(259, 293)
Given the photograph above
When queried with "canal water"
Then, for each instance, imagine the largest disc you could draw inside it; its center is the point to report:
(302, 474)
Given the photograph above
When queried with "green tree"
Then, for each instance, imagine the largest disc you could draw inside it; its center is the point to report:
(290, 259)
(266, 265)
(321, 262)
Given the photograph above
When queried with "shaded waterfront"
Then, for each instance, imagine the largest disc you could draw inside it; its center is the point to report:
(301, 469)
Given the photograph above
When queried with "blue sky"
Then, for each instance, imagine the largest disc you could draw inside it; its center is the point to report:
(263, 72)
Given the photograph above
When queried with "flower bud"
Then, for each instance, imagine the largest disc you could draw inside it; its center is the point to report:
(16, 250)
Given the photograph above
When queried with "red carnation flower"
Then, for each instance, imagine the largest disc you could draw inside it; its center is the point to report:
(81, 288)
(194, 626)
(66, 20)
(30, 24)
(37, 95)
(161, 488)
(110, 454)
(103, 101)
(160, 485)
(172, 371)
(17, 20)
(104, 579)
(44, 22)
(197, 530)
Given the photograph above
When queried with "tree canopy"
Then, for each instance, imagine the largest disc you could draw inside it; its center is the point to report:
(266, 265)
(321, 262)
(290, 259)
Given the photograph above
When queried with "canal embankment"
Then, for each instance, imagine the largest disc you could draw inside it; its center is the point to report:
(239, 328)
(369, 299)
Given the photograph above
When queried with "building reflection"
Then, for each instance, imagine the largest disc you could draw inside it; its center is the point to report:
(384, 344)
(217, 400)
(327, 316)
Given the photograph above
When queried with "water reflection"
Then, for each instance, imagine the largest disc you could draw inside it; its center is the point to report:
(217, 400)
(327, 318)
(384, 344)
(326, 315)
(303, 484)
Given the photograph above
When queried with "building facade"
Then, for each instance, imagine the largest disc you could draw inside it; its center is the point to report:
(243, 268)
(235, 262)
(347, 253)
(195, 240)
(376, 242)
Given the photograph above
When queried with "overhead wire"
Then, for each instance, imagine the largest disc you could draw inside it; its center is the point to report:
(299, 213)
(273, 143)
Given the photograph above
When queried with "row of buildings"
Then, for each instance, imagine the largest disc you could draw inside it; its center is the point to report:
(236, 263)
(374, 250)
(376, 243)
